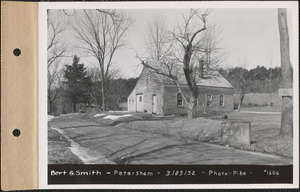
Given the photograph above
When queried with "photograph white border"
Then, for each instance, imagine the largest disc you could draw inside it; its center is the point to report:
(43, 148)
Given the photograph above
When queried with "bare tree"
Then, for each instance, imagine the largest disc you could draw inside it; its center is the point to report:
(95, 75)
(54, 84)
(287, 75)
(95, 92)
(185, 51)
(101, 33)
(270, 77)
(158, 44)
(186, 35)
(210, 49)
(161, 51)
(56, 50)
(241, 80)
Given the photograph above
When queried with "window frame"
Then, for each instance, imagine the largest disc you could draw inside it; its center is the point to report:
(211, 102)
(177, 100)
(223, 100)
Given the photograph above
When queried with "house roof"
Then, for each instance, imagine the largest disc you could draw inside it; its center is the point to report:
(213, 79)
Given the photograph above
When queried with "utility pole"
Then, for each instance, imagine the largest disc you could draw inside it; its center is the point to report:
(286, 91)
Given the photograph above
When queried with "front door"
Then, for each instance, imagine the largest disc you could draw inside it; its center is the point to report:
(154, 103)
(139, 103)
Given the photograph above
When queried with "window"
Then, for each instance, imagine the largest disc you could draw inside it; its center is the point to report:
(209, 100)
(179, 99)
(141, 98)
(221, 99)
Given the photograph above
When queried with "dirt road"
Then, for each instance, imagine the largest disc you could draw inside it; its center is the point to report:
(96, 143)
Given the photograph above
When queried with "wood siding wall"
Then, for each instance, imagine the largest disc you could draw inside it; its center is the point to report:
(147, 85)
(170, 100)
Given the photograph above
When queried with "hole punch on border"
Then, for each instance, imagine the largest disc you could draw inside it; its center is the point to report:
(17, 52)
(16, 132)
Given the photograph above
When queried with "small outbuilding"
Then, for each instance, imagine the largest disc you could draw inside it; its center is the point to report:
(156, 94)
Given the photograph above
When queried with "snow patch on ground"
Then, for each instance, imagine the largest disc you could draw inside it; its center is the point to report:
(99, 115)
(115, 117)
(118, 111)
(69, 114)
(50, 117)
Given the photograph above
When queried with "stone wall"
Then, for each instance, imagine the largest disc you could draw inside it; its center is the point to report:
(261, 99)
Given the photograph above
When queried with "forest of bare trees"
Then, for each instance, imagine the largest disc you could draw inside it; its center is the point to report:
(56, 50)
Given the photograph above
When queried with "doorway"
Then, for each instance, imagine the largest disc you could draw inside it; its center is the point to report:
(139, 102)
(154, 104)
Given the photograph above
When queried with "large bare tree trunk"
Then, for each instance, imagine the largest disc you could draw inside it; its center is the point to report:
(103, 95)
(192, 107)
(74, 107)
(287, 74)
(49, 106)
(241, 101)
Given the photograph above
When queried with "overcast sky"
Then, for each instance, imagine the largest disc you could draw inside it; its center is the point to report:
(247, 33)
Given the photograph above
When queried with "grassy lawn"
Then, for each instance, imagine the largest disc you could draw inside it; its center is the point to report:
(199, 129)
(265, 136)
(58, 151)
(264, 131)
